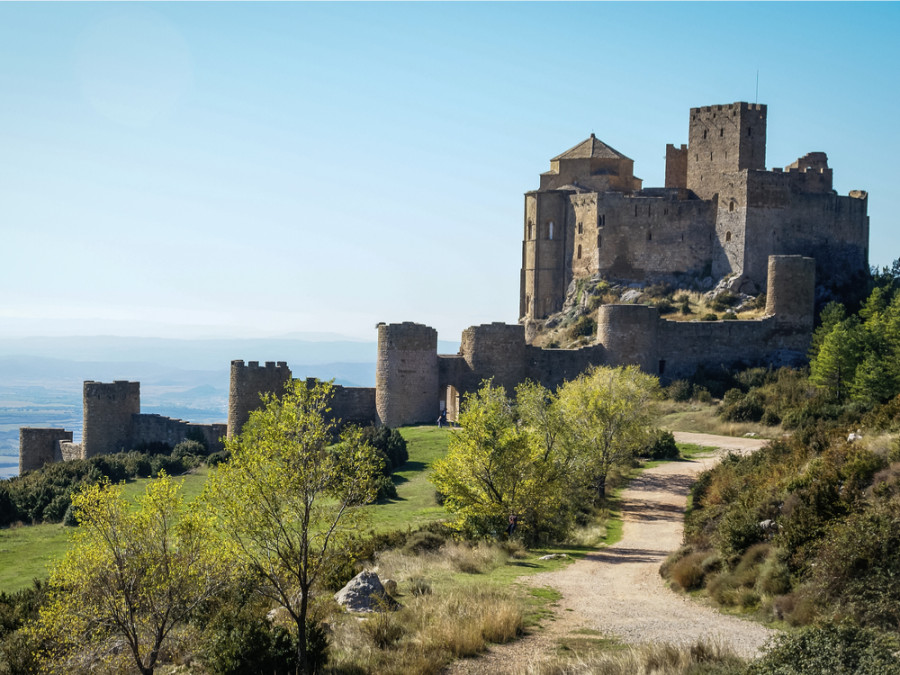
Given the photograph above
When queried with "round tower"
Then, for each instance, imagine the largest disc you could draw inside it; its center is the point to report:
(791, 290)
(629, 335)
(495, 350)
(108, 410)
(406, 374)
(248, 384)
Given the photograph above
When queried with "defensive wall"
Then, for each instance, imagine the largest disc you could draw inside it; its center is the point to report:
(414, 382)
(112, 422)
(720, 213)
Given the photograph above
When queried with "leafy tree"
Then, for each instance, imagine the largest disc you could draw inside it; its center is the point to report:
(491, 468)
(131, 576)
(288, 499)
(606, 420)
(834, 367)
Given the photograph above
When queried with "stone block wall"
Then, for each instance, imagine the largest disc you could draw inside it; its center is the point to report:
(40, 446)
(159, 429)
(354, 405)
(248, 383)
(406, 374)
(108, 412)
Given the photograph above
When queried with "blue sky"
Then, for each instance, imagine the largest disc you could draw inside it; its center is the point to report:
(232, 170)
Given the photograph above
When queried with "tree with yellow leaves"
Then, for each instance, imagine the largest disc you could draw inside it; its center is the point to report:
(289, 498)
(131, 577)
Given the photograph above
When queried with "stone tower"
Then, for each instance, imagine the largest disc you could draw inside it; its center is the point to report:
(406, 374)
(248, 383)
(722, 140)
(108, 416)
(629, 335)
(40, 446)
(791, 291)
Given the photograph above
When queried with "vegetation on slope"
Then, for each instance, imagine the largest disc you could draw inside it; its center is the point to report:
(807, 531)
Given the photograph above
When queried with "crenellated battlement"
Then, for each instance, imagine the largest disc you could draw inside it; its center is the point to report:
(247, 385)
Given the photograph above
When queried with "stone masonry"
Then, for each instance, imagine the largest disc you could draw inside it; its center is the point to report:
(721, 212)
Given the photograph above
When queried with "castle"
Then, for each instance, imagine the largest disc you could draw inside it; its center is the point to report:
(721, 213)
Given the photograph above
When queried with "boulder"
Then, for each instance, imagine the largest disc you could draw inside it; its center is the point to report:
(365, 593)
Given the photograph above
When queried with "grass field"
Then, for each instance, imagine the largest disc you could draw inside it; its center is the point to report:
(29, 551)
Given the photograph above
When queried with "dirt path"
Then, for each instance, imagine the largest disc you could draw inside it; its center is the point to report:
(618, 591)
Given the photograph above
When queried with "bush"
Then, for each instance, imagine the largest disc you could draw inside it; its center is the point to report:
(189, 448)
(723, 301)
(830, 649)
(688, 572)
(390, 443)
(740, 407)
(217, 458)
(709, 316)
(679, 390)
(584, 326)
(660, 445)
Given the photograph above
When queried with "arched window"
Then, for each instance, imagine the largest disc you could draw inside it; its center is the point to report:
(579, 251)
(530, 230)
(728, 236)
(550, 230)
(599, 241)
(731, 206)
(580, 228)
(649, 235)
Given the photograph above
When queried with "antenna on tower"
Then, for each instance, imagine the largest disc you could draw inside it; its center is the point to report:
(757, 86)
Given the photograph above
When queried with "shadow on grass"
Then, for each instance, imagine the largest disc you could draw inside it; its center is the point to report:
(413, 465)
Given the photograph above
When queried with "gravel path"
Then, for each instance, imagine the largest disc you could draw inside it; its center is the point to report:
(618, 591)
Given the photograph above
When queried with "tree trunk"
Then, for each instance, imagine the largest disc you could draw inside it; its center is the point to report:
(601, 490)
(302, 651)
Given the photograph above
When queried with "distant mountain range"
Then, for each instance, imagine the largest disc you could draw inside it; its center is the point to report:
(41, 377)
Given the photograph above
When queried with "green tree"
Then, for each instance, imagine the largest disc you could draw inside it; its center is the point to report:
(606, 420)
(485, 474)
(131, 576)
(289, 499)
(834, 367)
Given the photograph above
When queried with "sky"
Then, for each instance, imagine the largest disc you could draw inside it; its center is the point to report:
(255, 169)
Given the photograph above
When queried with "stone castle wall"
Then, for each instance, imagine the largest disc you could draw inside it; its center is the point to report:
(40, 446)
(247, 384)
(721, 213)
(158, 429)
(108, 412)
(406, 373)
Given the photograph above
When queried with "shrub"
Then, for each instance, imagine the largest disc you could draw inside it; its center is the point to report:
(679, 390)
(709, 316)
(660, 445)
(740, 407)
(217, 458)
(419, 586)
(424, 541)
(585, 326)
(723, 301)
(830, 649)
(384, 629)
(189, 448)
(688, 572)
(729, 316)
(390, 442)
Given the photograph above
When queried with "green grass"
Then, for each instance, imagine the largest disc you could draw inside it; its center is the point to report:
(415, 504)
(28, 552)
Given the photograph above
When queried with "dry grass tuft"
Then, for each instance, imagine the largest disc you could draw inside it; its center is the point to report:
(649, 659)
